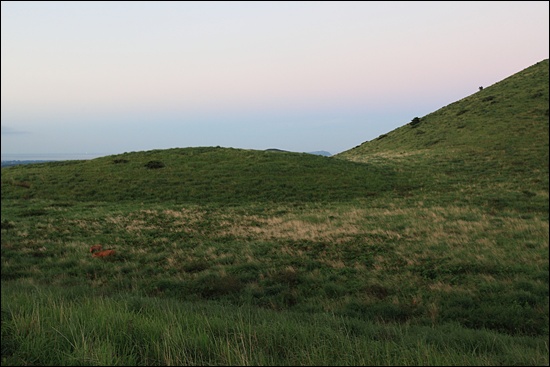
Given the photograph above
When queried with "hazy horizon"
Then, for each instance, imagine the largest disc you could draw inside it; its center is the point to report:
(114, 77)
(77, 156)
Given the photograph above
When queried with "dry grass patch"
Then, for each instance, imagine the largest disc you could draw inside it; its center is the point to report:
(391, 156)
(376, 224)
(184, 220)
(319, 226)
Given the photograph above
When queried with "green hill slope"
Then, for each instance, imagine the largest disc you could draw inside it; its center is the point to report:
(508, 120)
(489, 149)
(198, 175)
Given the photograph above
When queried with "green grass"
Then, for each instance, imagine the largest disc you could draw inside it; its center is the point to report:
(413, 249)
(49, 326)
(199, 175)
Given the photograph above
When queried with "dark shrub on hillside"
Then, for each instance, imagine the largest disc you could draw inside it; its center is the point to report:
(116, 161)
(154, 164)
(415, 121)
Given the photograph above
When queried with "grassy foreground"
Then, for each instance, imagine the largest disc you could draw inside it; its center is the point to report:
(52, 326)
(418, 248)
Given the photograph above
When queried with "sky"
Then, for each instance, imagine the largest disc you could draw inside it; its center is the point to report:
(108, 77)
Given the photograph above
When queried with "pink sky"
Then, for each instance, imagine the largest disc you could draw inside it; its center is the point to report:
(300, 76)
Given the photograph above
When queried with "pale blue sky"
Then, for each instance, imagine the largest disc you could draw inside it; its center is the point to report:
(112, 77)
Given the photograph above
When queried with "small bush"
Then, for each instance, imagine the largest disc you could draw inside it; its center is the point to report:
(415, 121)
(154, 164)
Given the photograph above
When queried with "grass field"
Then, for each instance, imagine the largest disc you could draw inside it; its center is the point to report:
(425, 246)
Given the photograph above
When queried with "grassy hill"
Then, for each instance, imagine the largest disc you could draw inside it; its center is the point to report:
(491, 148)
(201, 176)
(507, 121)
(425, 246)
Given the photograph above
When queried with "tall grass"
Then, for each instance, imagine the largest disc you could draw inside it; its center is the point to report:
(49, 326)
